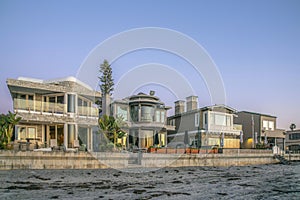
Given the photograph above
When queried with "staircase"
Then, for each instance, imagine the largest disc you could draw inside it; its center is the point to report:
(281, 159)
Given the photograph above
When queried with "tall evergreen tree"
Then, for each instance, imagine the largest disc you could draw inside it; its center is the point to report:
(107, 82)
(106, 86)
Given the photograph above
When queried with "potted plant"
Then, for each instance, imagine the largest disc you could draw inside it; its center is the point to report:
(151, 149)
(188, 150)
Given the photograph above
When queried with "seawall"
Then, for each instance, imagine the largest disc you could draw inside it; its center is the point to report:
(97, 160)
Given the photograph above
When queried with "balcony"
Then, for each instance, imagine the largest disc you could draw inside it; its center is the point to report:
(87, 111)
(31, 106)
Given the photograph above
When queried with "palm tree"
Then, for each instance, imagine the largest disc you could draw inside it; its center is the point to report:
(7, 123)
(11, 120)
(110, 127)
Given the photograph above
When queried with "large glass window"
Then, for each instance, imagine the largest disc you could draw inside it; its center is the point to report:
(162, 117)
(220, 120)
(147, 113)
(157, 116)
(122, 112)
(134, 113)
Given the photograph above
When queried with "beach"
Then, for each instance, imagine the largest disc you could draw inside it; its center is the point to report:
(274, 181)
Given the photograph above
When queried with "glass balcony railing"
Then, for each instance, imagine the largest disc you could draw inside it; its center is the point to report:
(87, 111)
(48, 107)
(28, 105)
(53, 107)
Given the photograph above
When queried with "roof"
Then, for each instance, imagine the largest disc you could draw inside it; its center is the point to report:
(255, 113)
(218, 106)
(57, 80)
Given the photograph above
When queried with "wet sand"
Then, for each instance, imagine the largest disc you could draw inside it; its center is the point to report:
(249, 182)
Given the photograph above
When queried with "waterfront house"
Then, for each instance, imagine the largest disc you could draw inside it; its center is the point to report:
(292, 140)
(204, 127)
(55, 113)
(259, 130)
(144, 116)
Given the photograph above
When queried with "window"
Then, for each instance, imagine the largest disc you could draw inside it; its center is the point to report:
(157, 116)
(196, 119)
(205, 118)
(134, 113)
(265, 125)
(271, 125)
(122, 112)
(294, 136)
(147, 113)
(24, 132)
(220, 120)
(228, 120)
(268, 125)
(162, 117)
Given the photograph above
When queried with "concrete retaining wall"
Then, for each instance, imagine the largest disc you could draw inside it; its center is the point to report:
(47, 160)
(85, 160)
(292, 157)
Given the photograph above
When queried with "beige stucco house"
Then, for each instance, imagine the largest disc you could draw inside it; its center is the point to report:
(55, 113)
(204, 127)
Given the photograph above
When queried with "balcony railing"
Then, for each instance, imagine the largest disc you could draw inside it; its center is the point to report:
(87, 111)
(48, 107)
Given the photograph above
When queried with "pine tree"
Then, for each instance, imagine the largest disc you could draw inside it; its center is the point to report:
(106, 79)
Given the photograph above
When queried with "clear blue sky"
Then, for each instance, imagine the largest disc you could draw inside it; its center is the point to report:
(255, 44)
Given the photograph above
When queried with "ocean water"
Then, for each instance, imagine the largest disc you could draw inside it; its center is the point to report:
(274, 181)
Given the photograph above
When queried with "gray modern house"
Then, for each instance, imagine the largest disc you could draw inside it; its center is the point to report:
(59, 112)
(144, 116)
(207, 126)
(293, 140)
(259, 129)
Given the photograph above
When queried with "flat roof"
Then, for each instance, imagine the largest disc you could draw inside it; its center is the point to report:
(56, 80)
(256, 113)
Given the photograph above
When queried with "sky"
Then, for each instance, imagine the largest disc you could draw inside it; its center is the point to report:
(255, 45)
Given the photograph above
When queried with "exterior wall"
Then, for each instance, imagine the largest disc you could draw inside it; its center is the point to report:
(274, 136)
(84, 160)
(293, 140)
(186, 122)
(245, 119)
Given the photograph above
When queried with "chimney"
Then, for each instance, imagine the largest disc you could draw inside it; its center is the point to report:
(191, 103)
(179, 107)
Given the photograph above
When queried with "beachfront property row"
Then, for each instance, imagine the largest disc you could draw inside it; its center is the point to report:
(62, 112)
